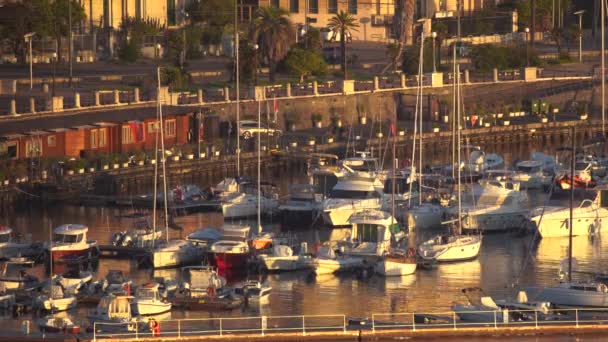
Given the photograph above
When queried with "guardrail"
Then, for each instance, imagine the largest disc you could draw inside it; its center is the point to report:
(336, 324)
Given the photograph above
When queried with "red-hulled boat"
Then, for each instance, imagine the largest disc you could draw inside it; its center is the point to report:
(230, 256)
(70, 240)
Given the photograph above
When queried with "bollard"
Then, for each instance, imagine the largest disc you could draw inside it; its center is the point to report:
(76, 100)
(13, 107)
(466, 76)
(376, 83)
(226, 94)
(136, 95)
(97, 102)
(315, 88)
(13, 89)
(199, 96)
(45, 87)
(288, 89)
(403, 81)
(116, 97)
(32, 105)
(495, 75)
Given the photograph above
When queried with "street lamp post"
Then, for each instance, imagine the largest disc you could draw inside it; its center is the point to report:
(527, 47)
(182, 59)
(157, 48)
(580, 34)
(434, 36)
(28, 38)
(54, 60)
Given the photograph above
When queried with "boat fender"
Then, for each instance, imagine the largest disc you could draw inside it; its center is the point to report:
(211, 291)
(411, 252)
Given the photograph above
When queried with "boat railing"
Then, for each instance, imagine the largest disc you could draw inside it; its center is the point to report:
(490, 320)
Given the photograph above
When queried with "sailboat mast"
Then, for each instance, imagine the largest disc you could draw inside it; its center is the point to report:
(157, 124)
(573, 138)
(393, 130)
(259, 168)
(421, 66)
(458, 147)
(603, 14)
(162, 148)
(238, 90)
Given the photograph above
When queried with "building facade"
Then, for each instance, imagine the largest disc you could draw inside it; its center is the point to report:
(374, 16)
(111, 13)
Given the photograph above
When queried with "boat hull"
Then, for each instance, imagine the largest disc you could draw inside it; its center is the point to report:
(566, 297)
(288, 263)
(330, 266)
(146, 308)
(389, 268)
(175, 258)
(450, 252)
(230, 263)
(586, 221)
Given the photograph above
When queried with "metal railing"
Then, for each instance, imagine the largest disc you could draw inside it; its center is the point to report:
(178, 328)
(305, 324)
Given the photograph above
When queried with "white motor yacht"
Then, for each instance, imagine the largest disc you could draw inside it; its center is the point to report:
(148, 301)
(256, 291)
(113, 309)
(589, 218)
(496, 206)
(425, 216)
(56, 301)
(282, 258)
(450, 248)
(241, 205)
(348, 196)
(328, 262)
(301, 206)
(176, 253)
(530, 175)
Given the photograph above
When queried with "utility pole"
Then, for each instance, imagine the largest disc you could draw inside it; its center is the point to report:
(28, 38)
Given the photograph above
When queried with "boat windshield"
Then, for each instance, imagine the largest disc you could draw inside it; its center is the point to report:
(528, 169)
(361, 164)
(146, 293)
(67, 238)
(5, 238)
(367, 232)
(353, 194)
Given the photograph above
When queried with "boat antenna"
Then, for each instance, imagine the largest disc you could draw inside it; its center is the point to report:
(572, 161)
(162, 147)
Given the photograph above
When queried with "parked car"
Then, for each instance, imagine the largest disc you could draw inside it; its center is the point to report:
(248, 128)
(331, 36)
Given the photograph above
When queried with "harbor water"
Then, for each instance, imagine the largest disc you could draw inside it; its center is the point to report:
(507, 262)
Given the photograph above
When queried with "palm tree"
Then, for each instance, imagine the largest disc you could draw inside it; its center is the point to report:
(273, 32)
(344, 23)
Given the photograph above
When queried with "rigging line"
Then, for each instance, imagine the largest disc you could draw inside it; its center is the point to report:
(25, 192)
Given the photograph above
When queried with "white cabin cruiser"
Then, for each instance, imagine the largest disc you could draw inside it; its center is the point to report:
(348, 196)
(282, 258)
(371, 233)
(498, 206)
(142, 236)
(176, 253)
(71, 240)
(530, 175)
(113, 309)
(479, 161)
(450, 248)
(589, 218)
(148, 301)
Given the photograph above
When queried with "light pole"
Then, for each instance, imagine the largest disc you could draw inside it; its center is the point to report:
(157, 48)
(580, 34)
(71, 46)
(182, 59)
(28, 39)
(527, 47)
(54, 60)
(434, 36)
